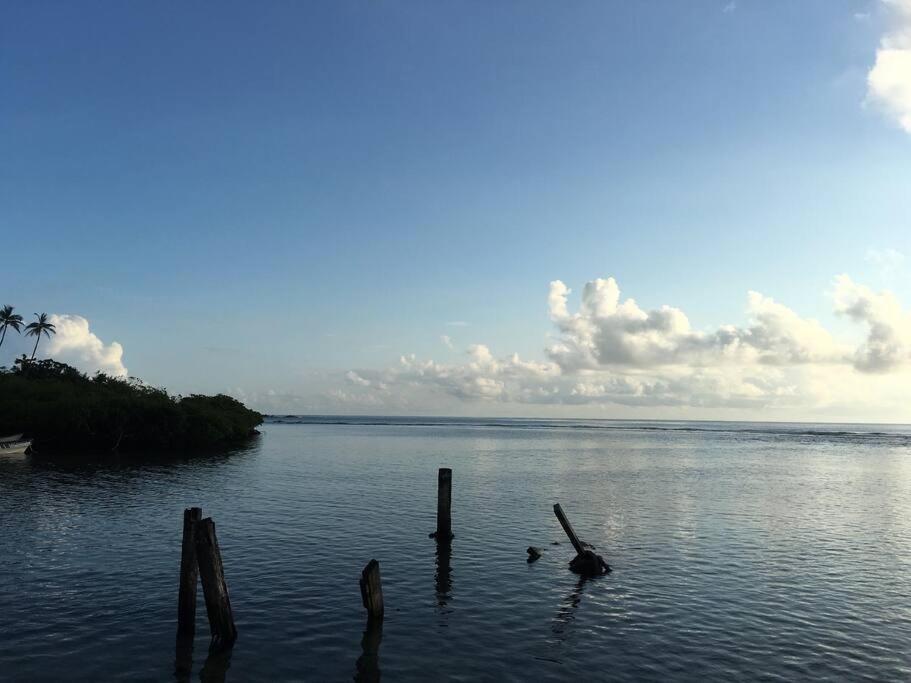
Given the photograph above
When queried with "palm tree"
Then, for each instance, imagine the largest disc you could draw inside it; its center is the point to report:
(9, 319)
(36, 329)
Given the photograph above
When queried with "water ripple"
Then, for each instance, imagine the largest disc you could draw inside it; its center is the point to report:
(771, 556)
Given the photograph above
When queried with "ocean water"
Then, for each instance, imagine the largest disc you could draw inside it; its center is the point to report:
(740, 551)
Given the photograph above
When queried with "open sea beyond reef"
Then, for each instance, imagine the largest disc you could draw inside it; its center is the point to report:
(739, 550)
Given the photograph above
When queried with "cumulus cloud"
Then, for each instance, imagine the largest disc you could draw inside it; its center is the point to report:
(889, 80)
(358, 381)
(77, 345)
(889, 328)
(610, 350)
(609, 332)
(481, 376)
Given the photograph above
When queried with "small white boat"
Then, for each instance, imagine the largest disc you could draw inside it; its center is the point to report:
(19, 447)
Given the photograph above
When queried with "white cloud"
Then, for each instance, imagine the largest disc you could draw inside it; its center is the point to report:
(482, 376)
(356, 379)
(77, 345)
(447, 341)
(889, 80)
(888, 342)
(608, 332)
(611, 351)
(729, 8)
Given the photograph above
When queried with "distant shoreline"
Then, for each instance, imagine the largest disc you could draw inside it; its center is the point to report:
(805, 432)
(313, 418)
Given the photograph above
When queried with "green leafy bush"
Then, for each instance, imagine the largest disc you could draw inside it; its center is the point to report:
(63, 409)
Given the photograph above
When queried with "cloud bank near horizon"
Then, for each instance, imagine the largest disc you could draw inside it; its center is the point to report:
(611, 351)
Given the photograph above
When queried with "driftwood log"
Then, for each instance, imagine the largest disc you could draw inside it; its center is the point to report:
(586, 562)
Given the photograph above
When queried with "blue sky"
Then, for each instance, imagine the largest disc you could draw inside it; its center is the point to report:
(265, 197)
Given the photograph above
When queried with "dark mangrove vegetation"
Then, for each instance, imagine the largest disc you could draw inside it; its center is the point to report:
(61, 408)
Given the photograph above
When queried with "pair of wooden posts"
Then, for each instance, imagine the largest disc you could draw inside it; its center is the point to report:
(371, 585)
(200, 558)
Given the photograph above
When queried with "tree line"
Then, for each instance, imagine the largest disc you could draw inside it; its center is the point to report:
(63, 409)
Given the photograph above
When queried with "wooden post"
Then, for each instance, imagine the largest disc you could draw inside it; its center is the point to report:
(568, 528)
(189, 575)
(372, 590)
(214, 588)
(444, 504)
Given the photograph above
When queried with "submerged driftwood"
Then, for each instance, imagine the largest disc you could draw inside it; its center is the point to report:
(586, 562)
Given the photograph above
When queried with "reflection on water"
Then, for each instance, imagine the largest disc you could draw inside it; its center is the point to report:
(736, 556)
(443, 573)
(183, 661)
(367, 666)
(567, 610)
(214, 669)
(216, 666)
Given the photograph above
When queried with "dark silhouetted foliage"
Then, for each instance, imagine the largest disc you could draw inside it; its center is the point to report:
(62, 409)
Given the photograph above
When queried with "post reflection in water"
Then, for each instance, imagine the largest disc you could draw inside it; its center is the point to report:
(368, 664)
(566, 613)
(214, 670)
(443, 574)
(216, 667)
(183, 661)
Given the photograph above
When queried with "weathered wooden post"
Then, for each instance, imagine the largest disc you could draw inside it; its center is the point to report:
(214, 588)
(372, 590)
(586, 562)
(444, 505)
(568, 528)
(189, 575)
(367, 665)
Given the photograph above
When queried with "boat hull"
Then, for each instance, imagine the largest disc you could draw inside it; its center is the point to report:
(14, 447)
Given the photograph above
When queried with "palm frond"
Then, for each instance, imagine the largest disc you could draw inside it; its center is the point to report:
(40, 326)
(9, 319)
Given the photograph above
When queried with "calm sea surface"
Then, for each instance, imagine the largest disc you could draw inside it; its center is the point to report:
(740, 551)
